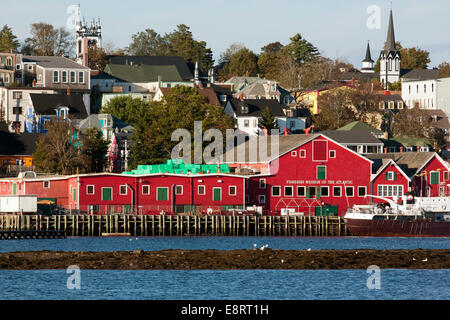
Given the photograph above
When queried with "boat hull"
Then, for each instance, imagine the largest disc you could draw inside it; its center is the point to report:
(395, 228)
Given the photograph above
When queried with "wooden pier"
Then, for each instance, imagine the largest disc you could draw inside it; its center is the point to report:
(33, 234)
(162, 225)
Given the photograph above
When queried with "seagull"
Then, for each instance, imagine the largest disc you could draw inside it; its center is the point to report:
(282, 261)
(254, 247)
(425, 260)
(309, 249)
(414, 259)
(356, 252)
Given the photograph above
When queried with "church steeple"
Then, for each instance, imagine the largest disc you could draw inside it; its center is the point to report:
(390, 41)
(390, 57)
(368, 62)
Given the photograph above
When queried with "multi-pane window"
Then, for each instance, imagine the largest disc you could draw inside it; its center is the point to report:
(55, 76)
(81, 77)
(288, 191)
(64, 76)
(178, 190)
(324, 192)
(276, 191)
(232, 190)
(72, 77)
(201, 190)
(301, 191)
(390, 191)
(362, 191)
(349, 191)
(90, 190)
(146, 190)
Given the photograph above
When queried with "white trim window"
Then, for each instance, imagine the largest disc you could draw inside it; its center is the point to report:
(90, 190)
(232, 190)
(146, 190)
(276, 191)
(55, 76)
(362, 191)
(337, 192)
(325, 192)
(201, 190)
(178, 190)
(80, 77)
(301, 192)
(262, 183)
(390, 191)
(262, 199)
(73, 78)
(123, 190)
(303, 154)
(46, 184)
(64, 76)
(288, 191)
(349, 192)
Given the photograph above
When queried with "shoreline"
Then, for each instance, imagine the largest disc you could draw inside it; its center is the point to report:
(228, 260)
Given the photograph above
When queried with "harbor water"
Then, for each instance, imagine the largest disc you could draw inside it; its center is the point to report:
(224, 284)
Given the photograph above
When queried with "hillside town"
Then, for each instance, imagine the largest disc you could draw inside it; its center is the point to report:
(92, 133)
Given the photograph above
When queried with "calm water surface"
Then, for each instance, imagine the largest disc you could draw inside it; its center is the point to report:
(226, 285)
(221, 243)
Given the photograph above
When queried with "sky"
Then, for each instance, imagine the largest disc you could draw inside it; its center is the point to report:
(339, 28)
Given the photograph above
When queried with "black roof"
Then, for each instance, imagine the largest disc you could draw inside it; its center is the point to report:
(16, 144)
(178, 62)
(46, 104)
(257, 106)
(352, 137)
(368, 55)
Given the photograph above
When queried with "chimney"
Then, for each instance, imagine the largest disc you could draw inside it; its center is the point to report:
(68, 91)
(401, 149)
(387, 93)
(385, 150)
(418, 148)
(241, 97)
(34, 83)
(246, 74)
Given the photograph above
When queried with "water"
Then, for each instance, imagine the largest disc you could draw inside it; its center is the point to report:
(226, 285)
(221, 243)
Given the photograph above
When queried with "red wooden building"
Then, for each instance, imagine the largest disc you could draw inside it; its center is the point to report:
(311, 172)
(145, 194)
(425, 174)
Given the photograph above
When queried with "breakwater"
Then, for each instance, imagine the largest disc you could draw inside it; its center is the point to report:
(179, 225)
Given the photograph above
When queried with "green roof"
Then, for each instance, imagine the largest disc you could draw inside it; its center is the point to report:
(359, 126)
(407, 142)
(177, 166)
(143, 73)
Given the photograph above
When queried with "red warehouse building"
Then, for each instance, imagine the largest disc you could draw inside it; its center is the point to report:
(424, 174)
(310, 173)
(146, 194)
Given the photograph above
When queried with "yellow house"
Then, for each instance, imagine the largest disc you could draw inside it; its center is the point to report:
(310, 97)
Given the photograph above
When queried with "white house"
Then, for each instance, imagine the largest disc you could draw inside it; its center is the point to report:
(427, 94)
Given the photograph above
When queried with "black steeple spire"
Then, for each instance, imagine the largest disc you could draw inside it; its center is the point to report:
(390, 41)
(368, 55)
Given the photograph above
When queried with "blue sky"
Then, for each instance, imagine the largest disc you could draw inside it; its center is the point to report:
(338, 28)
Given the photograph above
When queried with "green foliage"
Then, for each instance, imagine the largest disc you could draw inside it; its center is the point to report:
(8, 41)
(56, 151)
(415, 58)
(397, 86)
(267, 121)
(335, 110)
(159, 119)
(94, 148)
(302, 50)
(178, 43)
(444, 70)
(47, 40)
(127, 109)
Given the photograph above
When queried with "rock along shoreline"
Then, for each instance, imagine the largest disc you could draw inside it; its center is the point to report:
(228, 260)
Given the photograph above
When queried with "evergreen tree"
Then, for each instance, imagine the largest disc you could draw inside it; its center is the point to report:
(94, 148)
(8, 41)
(302, 50)
(267, 121)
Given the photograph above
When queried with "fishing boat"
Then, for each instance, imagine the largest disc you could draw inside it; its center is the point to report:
(401, 217)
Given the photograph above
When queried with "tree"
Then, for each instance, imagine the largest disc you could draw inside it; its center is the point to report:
(267, 121)
(127, 109)
(148, 43)
(57, 151)
(302, 50)
(364, 100)
(413, 123)
(271, 59)
(226, 56)
(97, 58)
(241, 62)
(45, 40)
(182, 43)
(335, 110)
(8, 41)
(415, 58)
(94, 148)
(444, 70)
(152, 140)
(396, 86)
